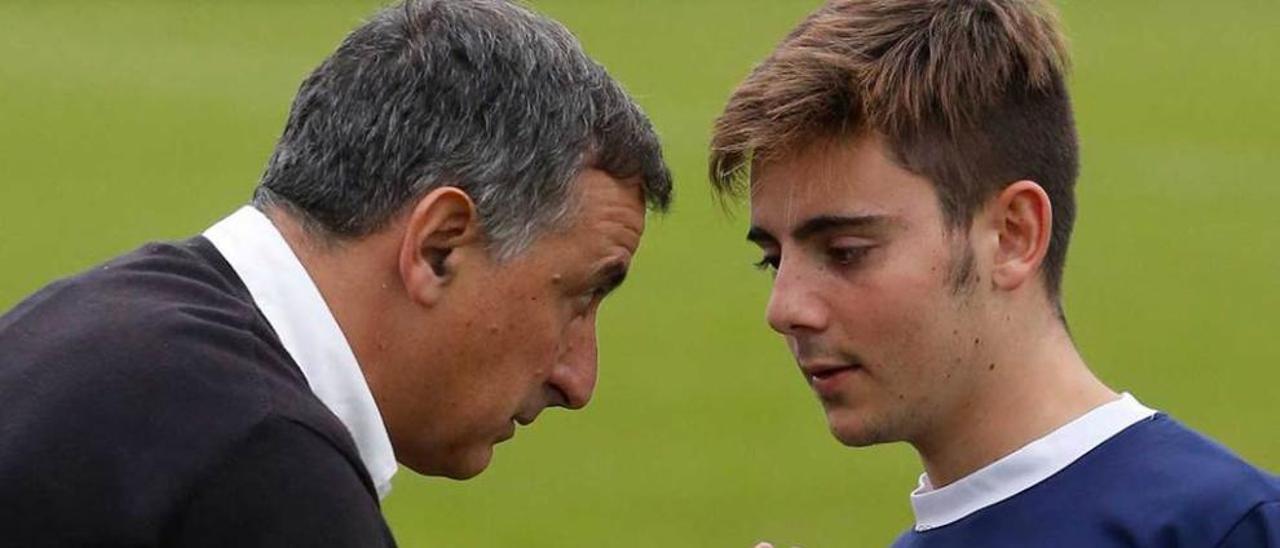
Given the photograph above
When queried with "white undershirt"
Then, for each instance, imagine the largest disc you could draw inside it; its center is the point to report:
(1024, 468)
(289, 299)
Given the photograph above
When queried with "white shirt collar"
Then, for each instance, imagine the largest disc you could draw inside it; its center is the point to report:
(286, 295)
(1024, 468)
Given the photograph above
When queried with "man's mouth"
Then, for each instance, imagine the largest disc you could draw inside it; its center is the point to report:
(522, 419)
(509, 433)
(525, 419)
(826, 378)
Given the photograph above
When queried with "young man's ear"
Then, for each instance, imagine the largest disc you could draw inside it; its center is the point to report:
(1022, 218)
(439, 225)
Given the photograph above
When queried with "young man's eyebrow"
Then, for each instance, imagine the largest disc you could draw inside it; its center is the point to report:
(760, 236)
(823, 223)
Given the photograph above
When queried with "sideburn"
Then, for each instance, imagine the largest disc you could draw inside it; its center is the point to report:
(961, 272)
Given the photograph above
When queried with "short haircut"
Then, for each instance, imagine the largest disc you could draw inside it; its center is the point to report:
(483, 95)
(969, 94)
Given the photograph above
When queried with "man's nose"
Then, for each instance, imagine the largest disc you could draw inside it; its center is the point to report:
(574, 376)
(795, 305)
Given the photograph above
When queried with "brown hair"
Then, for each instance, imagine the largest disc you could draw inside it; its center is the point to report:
(967, 93)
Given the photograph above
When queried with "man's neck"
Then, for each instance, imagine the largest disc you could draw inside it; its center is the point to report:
(353, 278)
(1043, 386)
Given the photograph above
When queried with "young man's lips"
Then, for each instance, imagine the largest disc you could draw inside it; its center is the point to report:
(826, 379)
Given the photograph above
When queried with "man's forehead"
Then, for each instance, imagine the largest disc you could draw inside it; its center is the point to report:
(603, 194)
(607, 218)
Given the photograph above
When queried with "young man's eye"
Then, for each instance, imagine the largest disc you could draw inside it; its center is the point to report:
(847, 256)
(767, 263)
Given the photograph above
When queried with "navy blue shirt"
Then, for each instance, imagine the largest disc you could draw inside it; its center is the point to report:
(1157, 483)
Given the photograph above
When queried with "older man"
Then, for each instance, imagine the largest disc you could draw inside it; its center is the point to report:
(456, 189)
(911, 167)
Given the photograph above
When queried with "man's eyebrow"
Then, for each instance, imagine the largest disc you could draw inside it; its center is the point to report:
(823, 223)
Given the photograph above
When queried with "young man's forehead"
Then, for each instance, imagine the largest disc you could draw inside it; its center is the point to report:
(847, 179)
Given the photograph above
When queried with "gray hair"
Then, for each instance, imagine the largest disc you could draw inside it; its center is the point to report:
(483, 95)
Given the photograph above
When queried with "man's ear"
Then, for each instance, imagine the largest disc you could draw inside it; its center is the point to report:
(439, 225)
(1022, 218)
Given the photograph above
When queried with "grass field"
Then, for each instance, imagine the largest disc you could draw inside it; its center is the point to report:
(123, 122)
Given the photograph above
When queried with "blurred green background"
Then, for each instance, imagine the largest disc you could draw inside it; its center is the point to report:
(123, 122)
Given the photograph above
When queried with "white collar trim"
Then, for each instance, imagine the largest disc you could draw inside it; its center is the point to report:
(1024, 468)
(289, 299)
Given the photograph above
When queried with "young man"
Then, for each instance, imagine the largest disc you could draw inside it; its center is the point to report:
(457, 188)
(910, 166)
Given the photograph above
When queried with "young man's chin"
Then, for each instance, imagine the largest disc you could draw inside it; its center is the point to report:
(853, 429)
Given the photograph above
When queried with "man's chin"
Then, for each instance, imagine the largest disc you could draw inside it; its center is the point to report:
(471, 464)
(460, 466)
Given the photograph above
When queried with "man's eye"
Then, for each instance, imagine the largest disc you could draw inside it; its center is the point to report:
(847, 256)
(591, 299)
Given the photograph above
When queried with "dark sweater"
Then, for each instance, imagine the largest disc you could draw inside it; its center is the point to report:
(148, 402)
(1157, 483)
